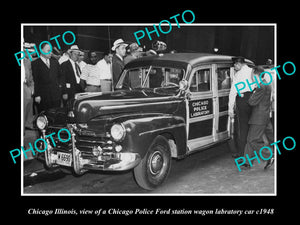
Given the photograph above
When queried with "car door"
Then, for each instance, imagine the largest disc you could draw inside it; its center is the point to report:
(200, 108)
(223, 74)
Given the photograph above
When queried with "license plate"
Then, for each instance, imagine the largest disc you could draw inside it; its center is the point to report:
(64, 159)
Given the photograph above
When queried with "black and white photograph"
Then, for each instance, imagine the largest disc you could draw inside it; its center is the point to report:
(150, 112)
(103, 114)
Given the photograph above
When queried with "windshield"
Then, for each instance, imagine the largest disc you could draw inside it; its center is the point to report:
(150, 77)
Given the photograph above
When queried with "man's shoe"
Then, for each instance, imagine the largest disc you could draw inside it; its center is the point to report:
(269, 163)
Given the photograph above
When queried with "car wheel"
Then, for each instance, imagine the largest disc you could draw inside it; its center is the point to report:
(154, 168)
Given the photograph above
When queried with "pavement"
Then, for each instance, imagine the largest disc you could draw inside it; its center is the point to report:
(31, 165)
(212, 171)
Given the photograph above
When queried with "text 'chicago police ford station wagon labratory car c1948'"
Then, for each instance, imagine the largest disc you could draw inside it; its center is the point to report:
(164, 106)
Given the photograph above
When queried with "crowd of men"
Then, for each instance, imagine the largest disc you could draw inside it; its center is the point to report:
(51, 80)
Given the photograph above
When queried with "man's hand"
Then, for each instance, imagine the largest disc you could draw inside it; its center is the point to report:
(37, 99)
(65, 96)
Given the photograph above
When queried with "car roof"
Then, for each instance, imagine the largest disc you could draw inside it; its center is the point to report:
(182, 59)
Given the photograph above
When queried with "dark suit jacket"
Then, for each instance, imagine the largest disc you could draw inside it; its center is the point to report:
(69, 79)
(261, 102)
(47, 81)
(117, 68)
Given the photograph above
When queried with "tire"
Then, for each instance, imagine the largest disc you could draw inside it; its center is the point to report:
(154, 168)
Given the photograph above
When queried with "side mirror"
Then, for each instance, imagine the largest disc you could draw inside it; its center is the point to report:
(183, 85)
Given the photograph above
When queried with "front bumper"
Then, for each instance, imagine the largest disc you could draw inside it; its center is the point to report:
(106, 161)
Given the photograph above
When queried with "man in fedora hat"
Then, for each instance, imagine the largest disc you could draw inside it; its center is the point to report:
(242, 107)
(117, 61)
(71, 72)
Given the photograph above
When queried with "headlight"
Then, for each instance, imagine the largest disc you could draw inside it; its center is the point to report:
(71, 114)
(41, 122)
(118, 132)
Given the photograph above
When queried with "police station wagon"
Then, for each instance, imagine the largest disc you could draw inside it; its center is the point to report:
(164, 106)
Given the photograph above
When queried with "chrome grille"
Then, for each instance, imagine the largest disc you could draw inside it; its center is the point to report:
(85, 141)
(64, 146)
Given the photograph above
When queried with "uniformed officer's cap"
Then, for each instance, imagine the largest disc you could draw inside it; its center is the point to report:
(238, 59)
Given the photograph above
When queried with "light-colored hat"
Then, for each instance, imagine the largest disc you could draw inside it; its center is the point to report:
(29, 46)
(117, 43)
(74, 48)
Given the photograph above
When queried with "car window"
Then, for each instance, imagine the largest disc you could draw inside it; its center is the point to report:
(224, 81)
(151, 77)
(201, 81)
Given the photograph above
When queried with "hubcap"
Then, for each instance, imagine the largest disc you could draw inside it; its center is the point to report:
(156, 163)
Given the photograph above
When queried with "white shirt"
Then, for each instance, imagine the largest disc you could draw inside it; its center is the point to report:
(91, 74)
(105, 70)
(240, 76)
(46, 61)
(74, 69)
(82, 64)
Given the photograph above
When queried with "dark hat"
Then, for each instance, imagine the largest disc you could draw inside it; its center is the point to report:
(134, 47)
(238, 59)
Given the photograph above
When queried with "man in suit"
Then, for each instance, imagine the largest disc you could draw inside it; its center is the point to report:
(259, 122)
(47, 78)
(71, 72)
(117, 61)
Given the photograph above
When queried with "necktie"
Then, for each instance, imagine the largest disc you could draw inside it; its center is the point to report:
(78, 71)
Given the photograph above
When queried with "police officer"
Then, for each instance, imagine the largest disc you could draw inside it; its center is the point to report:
(240, 102)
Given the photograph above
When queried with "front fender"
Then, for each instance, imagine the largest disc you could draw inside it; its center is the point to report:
(141, 132)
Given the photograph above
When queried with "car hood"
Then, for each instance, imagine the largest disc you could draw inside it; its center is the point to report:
(88, 106)
(92, 105)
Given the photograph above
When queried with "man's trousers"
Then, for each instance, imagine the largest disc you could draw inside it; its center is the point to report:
(255, 140)
(243, 111)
